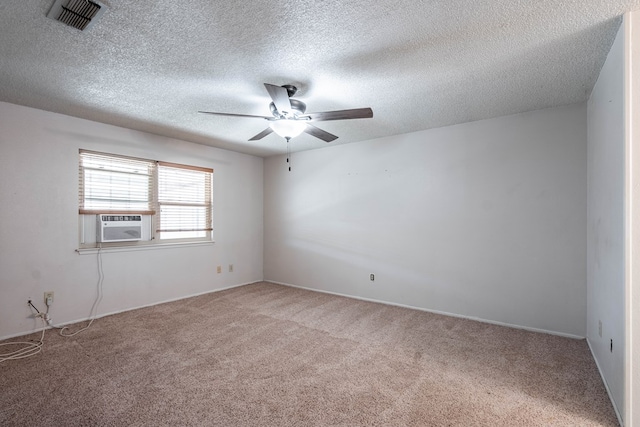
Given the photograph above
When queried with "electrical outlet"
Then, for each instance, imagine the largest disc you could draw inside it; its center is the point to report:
(48, 298)
(372, 277)
(230, 268)
(219, 269)
(600, 328)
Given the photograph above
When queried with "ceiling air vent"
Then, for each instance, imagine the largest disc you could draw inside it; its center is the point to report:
(80, 14)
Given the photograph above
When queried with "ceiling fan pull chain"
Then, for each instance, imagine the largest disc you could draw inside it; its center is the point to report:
(288, 153)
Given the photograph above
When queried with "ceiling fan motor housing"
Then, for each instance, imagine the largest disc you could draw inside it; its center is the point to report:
(298, 108)
(291, 90)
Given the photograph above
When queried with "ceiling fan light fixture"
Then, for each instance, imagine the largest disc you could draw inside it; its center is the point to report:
(289, 119)
(288, 128)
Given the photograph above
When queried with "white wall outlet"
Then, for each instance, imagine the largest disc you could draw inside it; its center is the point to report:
(48, 298)
(219, 269)
(230, 268)
(372, 277)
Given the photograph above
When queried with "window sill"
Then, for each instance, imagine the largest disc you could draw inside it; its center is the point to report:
(89, 251)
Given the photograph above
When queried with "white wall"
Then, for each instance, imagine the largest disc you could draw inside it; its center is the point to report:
(605, 219)
(39, 222)
(484, 219)
(632, 296)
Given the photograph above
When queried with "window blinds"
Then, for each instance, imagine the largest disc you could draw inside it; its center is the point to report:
(110, 183)
(184, 200)
(178, 195)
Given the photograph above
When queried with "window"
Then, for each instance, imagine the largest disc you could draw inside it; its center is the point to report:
(112, 183)
(174, 199)
(184, 199)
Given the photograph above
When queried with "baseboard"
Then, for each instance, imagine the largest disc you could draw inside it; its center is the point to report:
(444, 313)
(606, 386)
(98, 316)
(477, 319)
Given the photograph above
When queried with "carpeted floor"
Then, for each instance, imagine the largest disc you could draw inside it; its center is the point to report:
(270, 355)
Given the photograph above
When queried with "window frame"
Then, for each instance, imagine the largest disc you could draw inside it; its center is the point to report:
(207, 203)
(152, 214)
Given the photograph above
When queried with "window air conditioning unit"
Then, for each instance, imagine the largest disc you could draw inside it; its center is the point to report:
(119, 228)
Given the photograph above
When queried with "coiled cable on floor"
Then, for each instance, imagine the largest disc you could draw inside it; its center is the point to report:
(29, 348)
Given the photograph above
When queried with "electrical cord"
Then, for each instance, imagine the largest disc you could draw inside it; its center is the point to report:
(94, 307)
(30, 347)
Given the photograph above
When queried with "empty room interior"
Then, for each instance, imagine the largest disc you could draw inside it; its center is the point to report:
(306, 213)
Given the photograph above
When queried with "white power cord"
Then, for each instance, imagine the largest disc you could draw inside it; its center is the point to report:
(29, 348)
(94, 307)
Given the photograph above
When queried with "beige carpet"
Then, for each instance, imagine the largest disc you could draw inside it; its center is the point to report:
(269, 355)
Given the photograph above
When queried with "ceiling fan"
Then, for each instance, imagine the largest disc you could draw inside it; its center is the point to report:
(289, 119)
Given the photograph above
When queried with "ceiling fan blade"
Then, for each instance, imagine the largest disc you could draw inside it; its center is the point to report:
(237, 115)
(319, 133)
(355, 113)
(280, 98)
(262, 134)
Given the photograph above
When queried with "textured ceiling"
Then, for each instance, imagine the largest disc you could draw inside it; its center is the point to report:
(152, 64)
